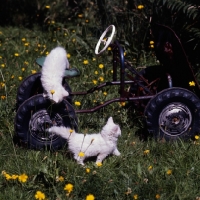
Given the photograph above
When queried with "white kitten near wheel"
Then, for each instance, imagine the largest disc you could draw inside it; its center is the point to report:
(99, 144)
(53, 71)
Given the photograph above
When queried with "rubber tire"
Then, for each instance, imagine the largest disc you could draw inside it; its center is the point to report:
(31, 86)
(156, 105)
(33, 105)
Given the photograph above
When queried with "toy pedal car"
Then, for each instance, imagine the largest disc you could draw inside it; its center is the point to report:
(168, 94)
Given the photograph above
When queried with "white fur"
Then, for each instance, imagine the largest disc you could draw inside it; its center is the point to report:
(52, 74)
(98, 144)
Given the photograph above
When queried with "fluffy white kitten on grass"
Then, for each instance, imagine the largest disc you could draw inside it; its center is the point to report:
(53, 71)
(86, 145)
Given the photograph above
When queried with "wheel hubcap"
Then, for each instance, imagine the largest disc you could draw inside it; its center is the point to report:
(40, 122)
(175, 119)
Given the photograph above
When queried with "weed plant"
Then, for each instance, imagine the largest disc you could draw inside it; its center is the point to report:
(145, 170)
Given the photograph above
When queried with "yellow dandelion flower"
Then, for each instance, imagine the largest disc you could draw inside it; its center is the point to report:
(26, 44)
(157, 196)
(23, 39)
(169, 172)
(44, 45)
(90, 197)
(53, 22)
(61, 178)
(69, 187)
(146, 152)
(74, 40)
(99, 164)
(3, 97)
(39, 195)
(135, 196)
(96, 72)
(101, 78)
(12, 76)
(47, 53)
(86, 20)
(196, 137)
(2, 84)
(8, 176)
(20, 78)
(77, 103)
(22, 178)
(0, 57)
(111, 71)
(101, 66)
(52, 92)
(85, 62)
(33, 71)
(39, 45)
(151, 42)
(150, 168)
(47, 7)
(124, 53)
(105, 93)
(81, 154)
(140, 7)
(23, 69)
(16, 54)
(192, 83)
(26, 63)
(87, 170)
(3, 65)
(80, 15)
(152, 46)
(93, 59)
(73, 31)
(70, 131)
(122, 103)
(109, 49)
(14, 177)
(68, 55)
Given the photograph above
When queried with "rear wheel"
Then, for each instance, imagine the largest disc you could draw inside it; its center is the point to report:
(37, 114)
(173, 113)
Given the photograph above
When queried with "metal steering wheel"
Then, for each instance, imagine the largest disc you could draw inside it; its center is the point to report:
(105, 40)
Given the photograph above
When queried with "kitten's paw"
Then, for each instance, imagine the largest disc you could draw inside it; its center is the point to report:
(116, 152)
(81, 163)
(50, 130)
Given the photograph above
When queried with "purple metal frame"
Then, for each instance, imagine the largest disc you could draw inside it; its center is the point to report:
(118, 58)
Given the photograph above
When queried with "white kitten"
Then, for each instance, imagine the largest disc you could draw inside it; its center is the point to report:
(98, 144)
(52, 75)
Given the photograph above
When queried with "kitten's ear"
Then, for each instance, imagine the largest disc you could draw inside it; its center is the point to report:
(110, 119)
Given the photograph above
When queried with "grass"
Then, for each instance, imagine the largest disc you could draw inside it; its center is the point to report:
(145, 170)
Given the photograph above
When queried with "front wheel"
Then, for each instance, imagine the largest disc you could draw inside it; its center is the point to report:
(36, 115)
(173, 113)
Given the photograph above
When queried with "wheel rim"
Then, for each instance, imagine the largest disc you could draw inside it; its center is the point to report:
(40, 121)
(175, 119)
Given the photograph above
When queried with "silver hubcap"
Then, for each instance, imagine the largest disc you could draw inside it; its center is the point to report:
(40, 121)
(175, 119)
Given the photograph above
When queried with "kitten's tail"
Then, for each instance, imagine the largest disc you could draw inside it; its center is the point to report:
(61, 131)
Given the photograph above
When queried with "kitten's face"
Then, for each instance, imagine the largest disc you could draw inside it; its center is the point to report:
(112, 128)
